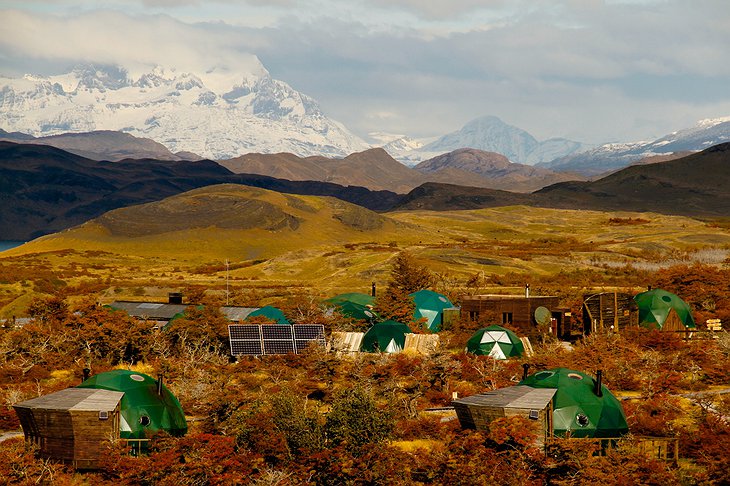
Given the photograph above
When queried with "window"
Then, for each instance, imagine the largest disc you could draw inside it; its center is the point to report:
(506, 318)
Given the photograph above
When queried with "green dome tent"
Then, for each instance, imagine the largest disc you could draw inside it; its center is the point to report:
(664, 310)
(354, 305)
(143, 410)
(356, 297)
(577, 409)
(271, 313)
(387, 336)
(495, 341)
(430, 305)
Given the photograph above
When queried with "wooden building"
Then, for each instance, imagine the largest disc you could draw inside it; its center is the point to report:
(72, 425)
(478, 411)
(609, 311)
(524, 312)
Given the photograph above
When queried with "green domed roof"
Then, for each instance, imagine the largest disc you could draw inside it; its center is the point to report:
(430, 305)
(577, 409)
(656, 305)
(388, 337)
(143, 410)
(495, 341)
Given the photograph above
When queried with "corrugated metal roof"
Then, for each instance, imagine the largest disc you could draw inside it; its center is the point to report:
(519, 396)
(75, 399)
(149, 310)
(237, 313)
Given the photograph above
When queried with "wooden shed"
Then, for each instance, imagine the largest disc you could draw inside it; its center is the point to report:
(519, 311)
(609, 311)
(478, 411)
(72, 425)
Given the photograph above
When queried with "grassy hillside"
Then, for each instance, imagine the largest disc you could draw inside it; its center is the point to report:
(277, 243)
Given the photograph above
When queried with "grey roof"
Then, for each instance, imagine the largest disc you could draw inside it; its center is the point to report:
(164, 312)
(90, 399)
(519, 396)
(149, 310)
(237, 313)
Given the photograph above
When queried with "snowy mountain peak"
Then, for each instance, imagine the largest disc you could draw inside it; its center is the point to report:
(217, 113)
(490, 134)
(711, 122)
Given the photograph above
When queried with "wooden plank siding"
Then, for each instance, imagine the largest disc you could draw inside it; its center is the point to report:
(609, 311)
(72, 425)
(517, 311)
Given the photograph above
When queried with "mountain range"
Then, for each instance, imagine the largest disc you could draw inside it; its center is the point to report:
(695, 185)
(488, 133)
(44, 189)
(377, 170)
(214, 114)
(103, 145)
(610, 157)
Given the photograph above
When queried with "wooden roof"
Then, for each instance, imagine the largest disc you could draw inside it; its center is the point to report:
(75, 399)
(519, 396)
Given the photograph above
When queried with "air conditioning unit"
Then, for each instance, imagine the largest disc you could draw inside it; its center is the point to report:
(103, 415)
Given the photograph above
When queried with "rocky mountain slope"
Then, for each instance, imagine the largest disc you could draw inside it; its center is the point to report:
(215, 114)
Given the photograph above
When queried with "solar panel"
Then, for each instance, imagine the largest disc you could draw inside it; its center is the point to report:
(278, 346)
(257, 340)
(248, 347)
(276, 331)
(308, 331)
(249, 331)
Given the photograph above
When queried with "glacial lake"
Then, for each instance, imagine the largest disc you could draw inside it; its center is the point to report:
(6, 245)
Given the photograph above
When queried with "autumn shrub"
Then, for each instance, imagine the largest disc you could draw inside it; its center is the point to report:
(20, 465)
(708, 446)
(301, 427)
(354, 420)
(652, 416)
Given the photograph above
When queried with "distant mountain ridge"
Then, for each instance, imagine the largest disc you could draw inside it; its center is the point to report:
(695, 185)
(614, 156)
(490, 134)
(103, 145)
(44, 189)
(215, 114)
(377, 170)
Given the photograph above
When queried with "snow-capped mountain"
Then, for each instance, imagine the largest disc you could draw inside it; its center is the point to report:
(614, 156)
(217, 114)
(491, 134)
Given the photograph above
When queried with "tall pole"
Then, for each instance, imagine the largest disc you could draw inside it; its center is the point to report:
(227, 281)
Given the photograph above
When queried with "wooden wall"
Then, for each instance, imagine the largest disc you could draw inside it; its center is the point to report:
(522, 310)
(606, 309)
(76, 437)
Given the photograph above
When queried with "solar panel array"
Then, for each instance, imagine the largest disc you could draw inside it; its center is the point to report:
(259, 339)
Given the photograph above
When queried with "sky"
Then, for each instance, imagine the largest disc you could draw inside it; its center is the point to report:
(594, 71)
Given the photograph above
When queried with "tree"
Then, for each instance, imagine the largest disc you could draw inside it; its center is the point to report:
(395, 304)
(408, 276)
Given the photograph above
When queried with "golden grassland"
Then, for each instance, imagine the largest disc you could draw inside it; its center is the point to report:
(336, 247)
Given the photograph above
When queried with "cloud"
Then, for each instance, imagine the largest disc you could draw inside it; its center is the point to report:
(598, 69)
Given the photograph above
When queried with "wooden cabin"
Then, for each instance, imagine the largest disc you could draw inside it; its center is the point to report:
(72, 425)
(478, 411)
(609, 311)
(519, 311)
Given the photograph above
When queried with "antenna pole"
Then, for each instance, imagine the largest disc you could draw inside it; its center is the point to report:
(227, 272)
